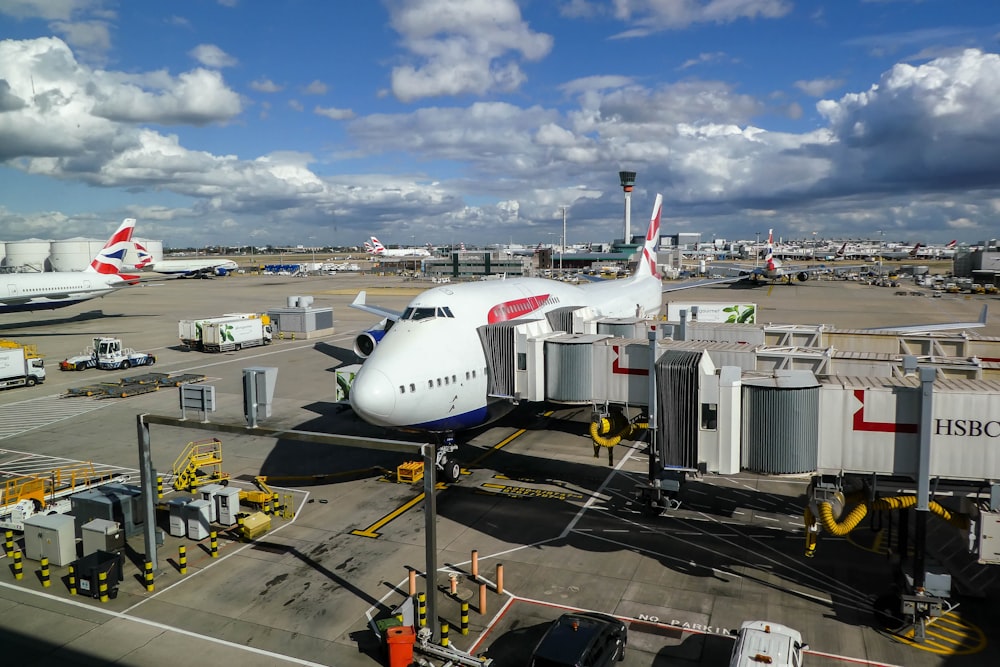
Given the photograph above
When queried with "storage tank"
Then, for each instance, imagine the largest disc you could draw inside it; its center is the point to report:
(28, 255)
(70, 255)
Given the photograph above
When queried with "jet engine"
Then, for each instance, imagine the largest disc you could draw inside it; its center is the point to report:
(365, 343)
(802, 276)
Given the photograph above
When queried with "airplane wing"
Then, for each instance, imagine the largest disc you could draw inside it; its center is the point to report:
(943, 326)
(360, 302)
(702, 283)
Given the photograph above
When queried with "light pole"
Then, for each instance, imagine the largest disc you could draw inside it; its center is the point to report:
(881, 249)
(312, 246)
(562, 248)
(756, 249)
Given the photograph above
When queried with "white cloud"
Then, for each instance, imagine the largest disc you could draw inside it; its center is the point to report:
(317, 87)
(53, 10)
(702, 59)
(211, 55)
(90, 37)
(650, 16)
(334, 113)
(265, 85)
(818, 87)
(462, 47)
(295, 105)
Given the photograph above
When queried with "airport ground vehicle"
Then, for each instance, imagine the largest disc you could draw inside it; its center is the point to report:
(235, 334)
(191, 331)
(581, 640)
(20, 366)
(763, 642)
(107, 354)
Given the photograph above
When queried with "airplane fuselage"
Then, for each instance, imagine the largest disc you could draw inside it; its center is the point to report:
(46, 291)
(429, 371)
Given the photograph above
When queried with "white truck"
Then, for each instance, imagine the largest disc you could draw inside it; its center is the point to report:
(107, 354)
(19, 368)
(190, 331)
(235, 334)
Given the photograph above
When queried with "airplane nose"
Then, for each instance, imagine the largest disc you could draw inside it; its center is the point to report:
(372, 395)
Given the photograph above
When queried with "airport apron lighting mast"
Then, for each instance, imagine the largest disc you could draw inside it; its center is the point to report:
(627, 179)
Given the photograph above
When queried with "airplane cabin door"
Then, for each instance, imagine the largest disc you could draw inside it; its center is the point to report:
(12, 290)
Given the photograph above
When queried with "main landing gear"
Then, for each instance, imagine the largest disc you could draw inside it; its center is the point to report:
(448, 466)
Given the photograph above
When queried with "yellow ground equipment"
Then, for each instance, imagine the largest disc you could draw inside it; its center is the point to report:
(30, 351)
(410, 472)
(254, 525)
(199, 463)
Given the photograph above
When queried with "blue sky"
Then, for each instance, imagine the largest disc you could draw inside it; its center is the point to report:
(441, 121)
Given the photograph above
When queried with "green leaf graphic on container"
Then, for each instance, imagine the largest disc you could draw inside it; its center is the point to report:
(740, 314)
(227, 333)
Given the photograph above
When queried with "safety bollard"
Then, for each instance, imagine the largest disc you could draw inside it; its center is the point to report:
(500, 578)
(475, 563)
(8, 544)
(148, 570)
(102, 585)
(413, 582)
(266, 507)
(239, 524)
(482, 597)
(422, 608)
(18, 565)
(465, 618)
(182, 559)
(44, 572)
(213, 541)
(276, 503)
(444, 634)
(453, 583)
(72, 580)
(159, 487)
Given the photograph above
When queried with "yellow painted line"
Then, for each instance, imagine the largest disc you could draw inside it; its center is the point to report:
(529, 492)
(506, 441)
(371, 531)
(948, 635)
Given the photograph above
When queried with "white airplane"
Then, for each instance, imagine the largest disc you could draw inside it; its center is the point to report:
(380, 250)
(426, 369)
(185, 268)
(44, 291)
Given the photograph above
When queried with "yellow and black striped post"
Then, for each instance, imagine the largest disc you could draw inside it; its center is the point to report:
(72, 580)
(8, 544)
(18, 565)
(44, 572)
(276, 503)
(465, 617)
(239, 524)
(102, 586)
(422, 608)
(266, 507)
(182, 559)
(444, 634)
(159, 487)
(213, 542)
(148, 574)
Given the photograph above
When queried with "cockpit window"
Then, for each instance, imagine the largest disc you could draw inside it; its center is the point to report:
(418, 313)
(447, 311)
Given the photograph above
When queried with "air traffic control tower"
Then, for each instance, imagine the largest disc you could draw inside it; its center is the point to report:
(627, 179)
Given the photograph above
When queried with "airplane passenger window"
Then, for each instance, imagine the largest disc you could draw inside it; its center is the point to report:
(402, 389)
(466, 375)
(413, 387)
(439, 382)
(430, 384)
(446, 379)
(454, 379)
(473, 373)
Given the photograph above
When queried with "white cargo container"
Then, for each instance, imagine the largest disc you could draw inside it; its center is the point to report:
(18, 369)
(726, 312)
(235, 334)
(190, 331)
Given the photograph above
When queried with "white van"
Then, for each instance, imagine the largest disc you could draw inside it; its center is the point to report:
(765, 643)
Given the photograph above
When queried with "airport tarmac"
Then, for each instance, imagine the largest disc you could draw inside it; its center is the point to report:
(535, 499)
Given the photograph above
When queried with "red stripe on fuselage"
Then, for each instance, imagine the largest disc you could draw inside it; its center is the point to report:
(860, 424)
(510, 310)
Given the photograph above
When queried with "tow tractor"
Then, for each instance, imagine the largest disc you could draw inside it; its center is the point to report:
(107, 354)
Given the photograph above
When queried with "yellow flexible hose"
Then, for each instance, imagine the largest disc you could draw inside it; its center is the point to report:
(608, 432)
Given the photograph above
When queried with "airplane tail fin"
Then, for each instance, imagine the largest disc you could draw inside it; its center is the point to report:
(951, 244)
(143, 258)
(982, 315)
(647, 262)
(110, 259)
(913, 253)
(769, 254)
(843, 250)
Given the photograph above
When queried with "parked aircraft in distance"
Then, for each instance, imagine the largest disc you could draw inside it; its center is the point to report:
(426, 367)
(771, 270)
(43, 291)
(379, 250)
(184, 268)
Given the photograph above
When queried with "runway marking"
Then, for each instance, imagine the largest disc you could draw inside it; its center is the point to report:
(24, 416)
(948, 634)
(371, 530)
